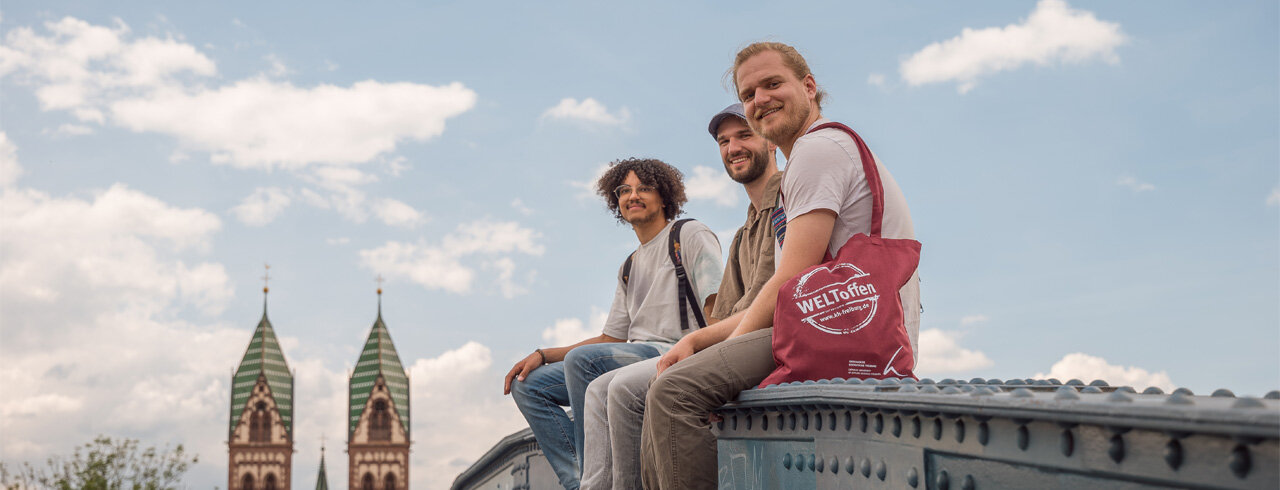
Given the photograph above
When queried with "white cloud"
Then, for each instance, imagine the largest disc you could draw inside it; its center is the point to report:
(397, 213)
(520, 207)
(337, 241)
(569, 331)
(71, 130)
(713, 185)
(91, 288)
(441, 266)
(1273, 199)
(458, 402)
(506, 269)
(587, 188)
(1134, 184)
(10, 170)
(941, 353)
(1087, 368)
(1052, 33)
(876, 80)
(278, 68)
(588, 110)
(261, 207)
(263, 124)
(973, 319)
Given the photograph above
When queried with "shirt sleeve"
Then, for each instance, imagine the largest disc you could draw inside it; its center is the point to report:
(619, 322)
(700, 250)
(731, 287)
(814, 179)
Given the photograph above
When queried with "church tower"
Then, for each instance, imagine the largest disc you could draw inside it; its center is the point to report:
(378, 419)
(260, 437)
(322, 480)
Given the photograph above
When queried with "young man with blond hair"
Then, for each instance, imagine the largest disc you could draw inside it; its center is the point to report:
(827, 201)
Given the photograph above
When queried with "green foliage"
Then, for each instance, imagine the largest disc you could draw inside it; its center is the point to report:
(103, 464)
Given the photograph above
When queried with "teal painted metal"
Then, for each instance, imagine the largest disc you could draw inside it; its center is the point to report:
(263, 356)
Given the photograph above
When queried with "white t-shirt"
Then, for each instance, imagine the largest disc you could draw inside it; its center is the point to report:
(825, 172)
(646, 309)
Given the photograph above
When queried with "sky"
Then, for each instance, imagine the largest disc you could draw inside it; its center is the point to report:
(1096, 186)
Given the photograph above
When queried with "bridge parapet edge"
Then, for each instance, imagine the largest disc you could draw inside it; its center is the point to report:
(995, 434)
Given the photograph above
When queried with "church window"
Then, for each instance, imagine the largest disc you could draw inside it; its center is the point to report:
(270, 482)
(260, 424)
(366, 483)
(389, 483)
(246, 483)
(380, 422)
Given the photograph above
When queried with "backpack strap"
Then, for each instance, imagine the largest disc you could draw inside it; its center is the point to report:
(684, 290)
(626, 269)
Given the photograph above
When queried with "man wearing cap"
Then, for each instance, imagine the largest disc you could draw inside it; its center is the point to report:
(615, 400)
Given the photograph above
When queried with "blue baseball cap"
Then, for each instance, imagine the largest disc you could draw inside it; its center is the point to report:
(734, 110)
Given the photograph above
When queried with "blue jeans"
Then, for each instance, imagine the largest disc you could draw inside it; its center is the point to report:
(555, 385)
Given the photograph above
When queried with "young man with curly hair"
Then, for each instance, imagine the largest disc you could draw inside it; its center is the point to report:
(644, 320)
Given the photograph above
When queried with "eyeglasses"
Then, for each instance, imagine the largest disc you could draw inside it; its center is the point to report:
(625, 190)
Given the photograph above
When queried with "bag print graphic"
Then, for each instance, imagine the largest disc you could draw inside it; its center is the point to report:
(843, 318)
(836, 307)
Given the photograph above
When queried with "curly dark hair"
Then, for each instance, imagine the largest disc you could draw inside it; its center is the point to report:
(666, 179)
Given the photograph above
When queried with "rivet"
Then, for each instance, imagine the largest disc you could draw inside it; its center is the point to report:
(959, 431)
(1055, 381)
(1116, 451)
(944, 481)
(1179, 398)
(968, 483)
(1067, 443)
(882, 470)
(926, 381)
(862, 422)
(865, 467)
(1044, 382)
(1248, 402)
(1024, 437)
(1015, 381)
(1240, 461)
(951, 390)
(913, 477)
(820, 465)
(889, 381)
(786, 461)
(1066, 393)
(848, 465)
(978, 381)
(1099, 383)
(915, 427)
(1126, 389)
(994, 381)
(1091, 389)
(834, 465)
(1273, 395)
(984, 433)
(1173, 454)
(897, 426)
(937, 429)
(1223, 393)
(1184, 391)
(908, 381)
(1075, 382)
(1022, 393)
(929, 389)
(879, 424)
(982, 391)
(1153, 390)
(828, 381)
(947, 381)
(853, 381)
(1119, 397)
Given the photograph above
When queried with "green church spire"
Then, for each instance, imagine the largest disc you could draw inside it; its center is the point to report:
(263, 357)
(322, 480)
(378, 357)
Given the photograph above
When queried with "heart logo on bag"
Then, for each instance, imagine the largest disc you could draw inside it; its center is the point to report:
(838, 308)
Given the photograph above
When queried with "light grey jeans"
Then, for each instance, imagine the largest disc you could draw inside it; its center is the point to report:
(614, 415)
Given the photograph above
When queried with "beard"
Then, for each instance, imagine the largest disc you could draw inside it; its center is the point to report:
(788, 128)
(759, 159)
(644, 216)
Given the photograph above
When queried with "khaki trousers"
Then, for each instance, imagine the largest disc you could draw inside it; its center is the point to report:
(677, 448)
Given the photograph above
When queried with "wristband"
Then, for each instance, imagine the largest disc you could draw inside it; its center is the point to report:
(542, 355)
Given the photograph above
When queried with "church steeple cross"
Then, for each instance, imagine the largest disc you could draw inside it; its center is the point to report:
(380, 280)
(266, 278)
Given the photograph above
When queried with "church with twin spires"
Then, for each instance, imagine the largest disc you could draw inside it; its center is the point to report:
(260, 435)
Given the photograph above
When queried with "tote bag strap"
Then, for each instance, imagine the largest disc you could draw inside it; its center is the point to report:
(869, 170)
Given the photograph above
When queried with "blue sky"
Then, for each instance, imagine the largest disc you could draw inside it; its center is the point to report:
(1096, 184)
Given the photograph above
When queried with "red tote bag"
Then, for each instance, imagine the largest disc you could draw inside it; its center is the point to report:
(843, 318)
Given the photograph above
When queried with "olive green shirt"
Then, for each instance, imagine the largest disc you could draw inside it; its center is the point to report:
(750, 262)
